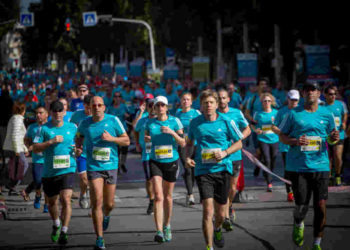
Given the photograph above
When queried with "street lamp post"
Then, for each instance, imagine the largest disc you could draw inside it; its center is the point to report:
(149, 28)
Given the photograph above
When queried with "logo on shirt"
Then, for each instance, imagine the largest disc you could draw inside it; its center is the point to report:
(219, 130)
(68, 133)
(321, 122)
(106, 125)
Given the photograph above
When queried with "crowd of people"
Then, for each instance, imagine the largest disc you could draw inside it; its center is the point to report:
(78, 123)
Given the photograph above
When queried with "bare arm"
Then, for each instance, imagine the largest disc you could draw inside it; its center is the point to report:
(40, 147)
(246, 132)
(122, 140)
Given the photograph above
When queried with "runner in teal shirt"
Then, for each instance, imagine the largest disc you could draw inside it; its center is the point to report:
(57, 143)
(340, 113)
(186, 114)
(306, 129)
(236, 158)
(217, 137)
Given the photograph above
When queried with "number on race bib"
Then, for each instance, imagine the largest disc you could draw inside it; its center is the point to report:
(101, 154)
(148, 147)
(337, 121)
(315, 144)
(208, 155)
(267, 129)
(61, 161)
(164, 152)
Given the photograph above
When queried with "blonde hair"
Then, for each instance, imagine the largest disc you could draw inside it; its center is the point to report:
(273, 99)
(209, 93)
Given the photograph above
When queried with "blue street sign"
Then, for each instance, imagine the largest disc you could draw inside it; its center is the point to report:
(89, 19)
(27, 19)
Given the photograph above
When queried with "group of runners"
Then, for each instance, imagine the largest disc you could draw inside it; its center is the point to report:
(205, 134)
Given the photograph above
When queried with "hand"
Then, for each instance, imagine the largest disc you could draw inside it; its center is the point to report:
(335, 135)
(190, 163)
(107, 136)
(138, 148)
(258, 131)
(26, 154)
(57, 139)
(275, 129)
(166, 130)
(302, 141)
(147, 138)
(219, 155)
(78, 152)
(142, 108)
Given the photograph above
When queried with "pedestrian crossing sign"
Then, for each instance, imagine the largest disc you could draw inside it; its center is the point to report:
(89, 19)
(27, 19)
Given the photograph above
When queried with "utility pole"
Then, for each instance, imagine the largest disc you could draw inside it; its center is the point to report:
(200, 46)
(219, 48)
(245, 38)
(278, 57)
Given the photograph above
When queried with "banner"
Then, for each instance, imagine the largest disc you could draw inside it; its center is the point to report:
(136, 68)
(171, 71)
(200, 68)
(106, 68)
(247, 68)
(121, 69)
(317, 62)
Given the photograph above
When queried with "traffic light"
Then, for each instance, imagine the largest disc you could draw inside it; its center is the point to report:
(68, 25)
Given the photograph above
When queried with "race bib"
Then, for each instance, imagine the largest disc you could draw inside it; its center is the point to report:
(186, 136)
(208, 155)
(315, 144)
(267, 129)
(128, 103)
(61, 161)
(101, 154)
(170, 106)
(148, 147)
(337, 121)
(164, 152)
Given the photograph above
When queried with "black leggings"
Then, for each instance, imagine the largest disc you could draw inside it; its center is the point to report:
(188, 174)
(269, 155)
(286, 173)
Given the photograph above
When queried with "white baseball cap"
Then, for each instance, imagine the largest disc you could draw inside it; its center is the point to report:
(161, 99)
(293, 94)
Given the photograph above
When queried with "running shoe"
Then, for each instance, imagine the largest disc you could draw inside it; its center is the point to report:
(219, 239)
(232, 214)
(316, 247)
(338, 181)
(191, 200)
(63, 240)
(150, 208)
(227, 225)
(105, 222)
(37, 202)
(100, 243)
(290, 197)
(46, 209)
(209, 248)
(298, 235)
(56, 231)
(159, 237)
(269, 188)
(167, 233)
(83, 201)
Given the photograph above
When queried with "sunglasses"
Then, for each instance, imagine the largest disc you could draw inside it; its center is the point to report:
(97, 105)
(331, 94)
(267, 101)
(116, 96)
(160, 105)
(83, 90)
(57, 111)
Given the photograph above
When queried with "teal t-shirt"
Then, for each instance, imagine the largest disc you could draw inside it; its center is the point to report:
(212, 136)
(235, 100)
(264, 122)
(186, 118)
(164, 147)
(316, 126)
(119, 112)
(237, 116)
(101, 155)
(173, 101)
(59, 158)
(146, 147)
(279, 118)
(338, 109)
(33, 132)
